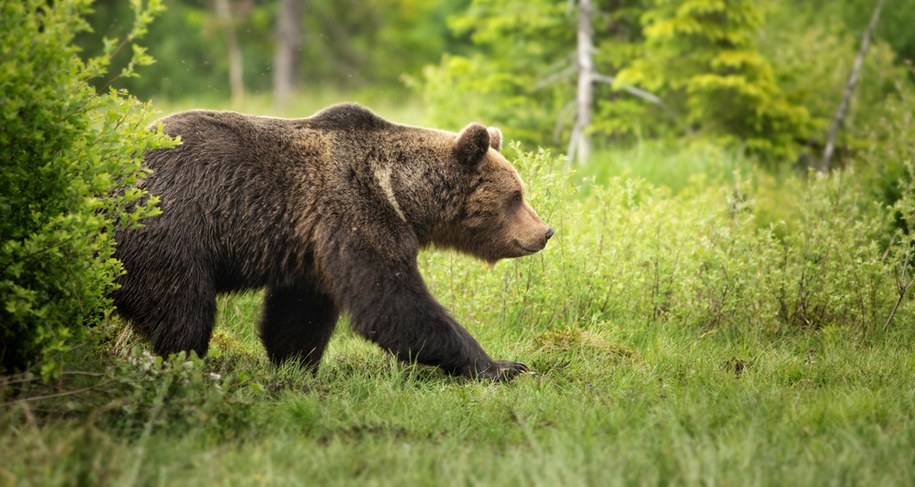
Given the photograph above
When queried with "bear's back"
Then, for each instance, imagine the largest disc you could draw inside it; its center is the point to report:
(233, 194)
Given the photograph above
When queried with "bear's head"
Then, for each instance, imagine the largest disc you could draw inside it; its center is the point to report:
(493, 221)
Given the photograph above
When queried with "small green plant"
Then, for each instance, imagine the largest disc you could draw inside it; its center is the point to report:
(70, 160)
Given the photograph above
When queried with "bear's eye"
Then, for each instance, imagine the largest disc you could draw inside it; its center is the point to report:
(515, 199)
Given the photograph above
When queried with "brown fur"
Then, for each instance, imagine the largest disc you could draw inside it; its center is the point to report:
(328, 213)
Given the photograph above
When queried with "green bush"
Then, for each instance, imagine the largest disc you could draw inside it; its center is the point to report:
(70, 157)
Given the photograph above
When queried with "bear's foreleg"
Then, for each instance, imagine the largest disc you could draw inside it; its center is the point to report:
(297, 323)
(391, 306)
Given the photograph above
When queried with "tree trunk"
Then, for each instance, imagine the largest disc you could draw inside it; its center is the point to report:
(288, 39)
(236, 83)
(580, 142)
(849, 90)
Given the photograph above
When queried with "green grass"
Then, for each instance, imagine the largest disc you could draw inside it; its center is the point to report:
(612, 403)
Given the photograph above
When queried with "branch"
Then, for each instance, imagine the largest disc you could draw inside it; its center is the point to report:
(555, 77)
(849, 90)
(632, 90)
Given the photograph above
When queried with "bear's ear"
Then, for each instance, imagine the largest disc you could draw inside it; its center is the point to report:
(472, 144)
(495, 138)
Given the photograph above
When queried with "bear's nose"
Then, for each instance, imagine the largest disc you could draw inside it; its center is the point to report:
(549, 233)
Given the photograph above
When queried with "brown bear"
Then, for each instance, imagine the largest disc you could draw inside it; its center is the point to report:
(328, 213)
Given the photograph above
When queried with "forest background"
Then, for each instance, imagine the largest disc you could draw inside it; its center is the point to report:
(782, 65)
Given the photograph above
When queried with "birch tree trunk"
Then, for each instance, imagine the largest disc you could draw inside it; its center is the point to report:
(288, 39)
(580, 141)
(236, 83)
(850, 85)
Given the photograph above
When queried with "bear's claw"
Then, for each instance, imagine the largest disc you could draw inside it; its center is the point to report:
(506, 370)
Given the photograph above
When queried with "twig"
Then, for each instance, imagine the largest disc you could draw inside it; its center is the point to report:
(83, 373)
(639, 93)
(52, 396)
(33, 379)
(902, 287)
(889, 247)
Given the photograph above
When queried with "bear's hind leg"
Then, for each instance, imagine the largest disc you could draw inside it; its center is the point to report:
(192, 334)
(297, 323)
(171, 322)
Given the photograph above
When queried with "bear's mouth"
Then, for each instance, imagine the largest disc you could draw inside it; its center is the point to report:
(525, 248)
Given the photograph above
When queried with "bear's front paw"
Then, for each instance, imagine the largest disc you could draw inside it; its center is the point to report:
(504, 370)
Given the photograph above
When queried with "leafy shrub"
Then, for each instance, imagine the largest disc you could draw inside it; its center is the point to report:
(69, 158)
(630, 252)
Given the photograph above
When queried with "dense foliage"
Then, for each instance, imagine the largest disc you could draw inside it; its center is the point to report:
(68, 156)
(703, 57)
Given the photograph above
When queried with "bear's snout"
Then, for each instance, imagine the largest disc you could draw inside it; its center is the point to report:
(534, 243)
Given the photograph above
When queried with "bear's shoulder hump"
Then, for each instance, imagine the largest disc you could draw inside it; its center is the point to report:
(348, 116)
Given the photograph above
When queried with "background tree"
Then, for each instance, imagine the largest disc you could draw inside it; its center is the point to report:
(580, 140)
(753, 77)
(227, 21)
(288, 39)
(344, 45)
(778, 65)
(522, 72)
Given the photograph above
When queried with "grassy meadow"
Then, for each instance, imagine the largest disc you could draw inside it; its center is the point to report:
(695, 321)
